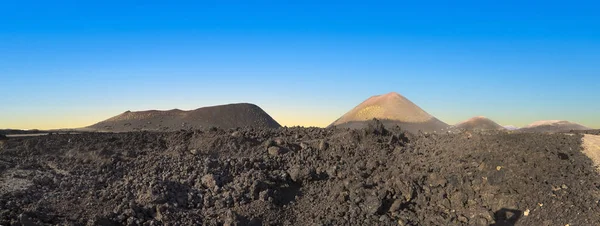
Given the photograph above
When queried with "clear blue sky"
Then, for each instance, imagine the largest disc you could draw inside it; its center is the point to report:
(70, 64)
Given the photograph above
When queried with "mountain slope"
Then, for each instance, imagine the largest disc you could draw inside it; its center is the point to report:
(224, 116)
(479, 123)
(553, 126)
(391, 109)
(511, 127)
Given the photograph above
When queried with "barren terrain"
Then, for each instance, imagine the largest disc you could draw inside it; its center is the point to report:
(298, 176)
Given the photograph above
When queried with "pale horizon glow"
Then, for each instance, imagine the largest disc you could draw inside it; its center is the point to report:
(286, 117)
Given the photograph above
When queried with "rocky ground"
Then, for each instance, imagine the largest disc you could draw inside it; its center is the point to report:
(297, 176)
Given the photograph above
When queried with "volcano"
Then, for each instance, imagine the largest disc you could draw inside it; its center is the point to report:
(223, 116)
(391, 109)
(553, 126)
(479, 123)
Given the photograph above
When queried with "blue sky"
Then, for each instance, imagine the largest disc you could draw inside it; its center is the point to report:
(70, 64)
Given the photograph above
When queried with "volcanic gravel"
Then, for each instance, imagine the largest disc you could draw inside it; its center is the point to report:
(298, 176)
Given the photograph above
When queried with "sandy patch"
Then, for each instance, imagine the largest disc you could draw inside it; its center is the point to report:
(591, 147)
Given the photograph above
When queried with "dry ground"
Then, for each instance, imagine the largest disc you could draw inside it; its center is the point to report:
(298, 176)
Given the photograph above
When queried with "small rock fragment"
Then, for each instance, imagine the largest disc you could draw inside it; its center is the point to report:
(458, 199)
(435, 180)
(265, 195)
(332, 171)
(481, 166)
(209, 181)
(373, 204)
(231, 219)
(393, 139)
(383, 218)
(236, 134)
(269, 143)
(563, 156)
(303, 145)
(480, 221)
(396, 205)
(300, 174)
(323, 145)
(401, 222)
(280, 141)
(274, 151)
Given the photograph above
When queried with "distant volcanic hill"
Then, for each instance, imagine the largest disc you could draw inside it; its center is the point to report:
(511, 127)
(479, 123)
(552, 126)
(391, 109)
(223, 116)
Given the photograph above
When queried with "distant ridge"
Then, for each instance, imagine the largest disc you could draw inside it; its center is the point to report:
(391, 109)
(553, 126)
(223, 116)
(479, 123)
(511, 127)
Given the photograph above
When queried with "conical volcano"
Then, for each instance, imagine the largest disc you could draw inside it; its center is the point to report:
(391, 109)
(223, 116)
(479, 123)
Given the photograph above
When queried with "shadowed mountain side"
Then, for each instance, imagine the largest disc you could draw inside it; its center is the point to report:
(479, 123)
(223, 116)
(552, 126)
(432, 125)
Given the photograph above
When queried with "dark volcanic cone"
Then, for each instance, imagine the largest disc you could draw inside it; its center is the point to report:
(391, 109)
(223, 116)
(479, 123)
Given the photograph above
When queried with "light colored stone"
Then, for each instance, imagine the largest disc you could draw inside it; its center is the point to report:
(209, 181)
(304, 146)
(274, 151)
(323, 145)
